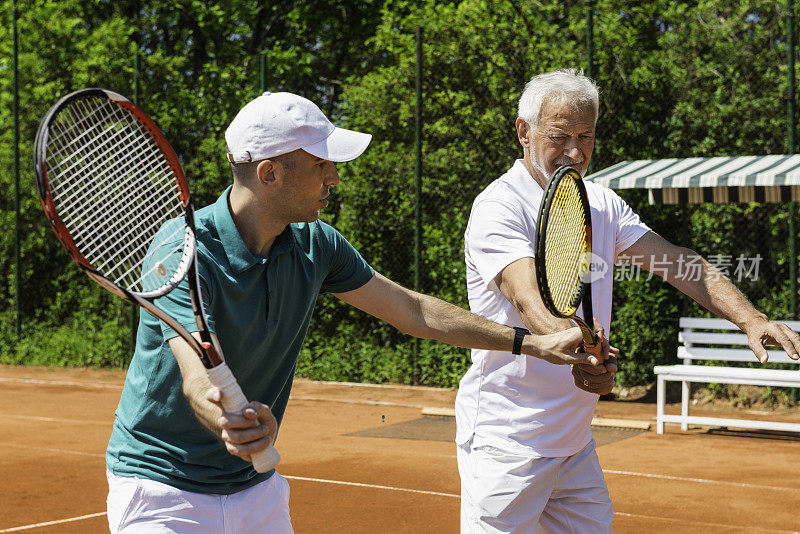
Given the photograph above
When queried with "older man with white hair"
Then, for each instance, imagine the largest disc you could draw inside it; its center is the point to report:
(525, 449)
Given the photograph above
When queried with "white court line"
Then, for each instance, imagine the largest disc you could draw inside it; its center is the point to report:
(88, 385)
(704, 524)
(622, 514)
(438, 494)
(49, 523)
(49, 449)
(374, 486)
(609, 471)
(699, 480)
(58, 420)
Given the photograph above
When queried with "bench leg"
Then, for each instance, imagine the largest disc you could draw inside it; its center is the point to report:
(661, 394)
(684, 404)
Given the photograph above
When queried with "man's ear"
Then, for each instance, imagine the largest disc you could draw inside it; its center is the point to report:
(523, 132)
(265, 171)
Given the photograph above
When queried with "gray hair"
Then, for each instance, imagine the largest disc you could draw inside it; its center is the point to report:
(565, 86)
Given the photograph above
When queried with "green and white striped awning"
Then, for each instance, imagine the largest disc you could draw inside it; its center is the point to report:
(774, 178)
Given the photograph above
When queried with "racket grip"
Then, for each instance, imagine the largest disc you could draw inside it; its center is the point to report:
(591, 342)
(594, 349)
(234, 401)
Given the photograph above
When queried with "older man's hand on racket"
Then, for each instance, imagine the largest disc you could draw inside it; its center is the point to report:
(598, 379)
(762, 333)
(560, 348)
(246, 433)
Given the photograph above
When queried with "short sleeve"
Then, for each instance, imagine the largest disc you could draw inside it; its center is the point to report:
(497, 236)
(347, 270)
(178, 305)
(629, 226)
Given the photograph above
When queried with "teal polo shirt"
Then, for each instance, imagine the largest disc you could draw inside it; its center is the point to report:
(259, 307)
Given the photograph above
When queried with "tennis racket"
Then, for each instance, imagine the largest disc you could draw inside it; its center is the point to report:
(116, 196)
(564, 250)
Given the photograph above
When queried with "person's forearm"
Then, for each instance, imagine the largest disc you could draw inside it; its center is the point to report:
(195, 389)
(715, 292)
(517, 283)
(536, 317)
(196, 385)
(428, 317)
(457, 326)
(451, 324)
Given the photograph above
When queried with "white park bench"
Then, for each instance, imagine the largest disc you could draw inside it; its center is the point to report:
(734, 349)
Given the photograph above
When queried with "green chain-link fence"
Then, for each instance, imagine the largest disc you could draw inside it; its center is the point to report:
(675, 80)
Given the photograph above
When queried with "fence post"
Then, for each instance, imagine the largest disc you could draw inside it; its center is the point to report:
(791, 127)
(790, 135)
(262, 68)
(417, 190)
(590, 60)
(134, 310)
(17, 274)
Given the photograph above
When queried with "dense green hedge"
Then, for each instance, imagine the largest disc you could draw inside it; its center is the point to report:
(676, 79)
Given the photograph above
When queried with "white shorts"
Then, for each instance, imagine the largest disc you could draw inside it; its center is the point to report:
(145, 506)
(506, 492)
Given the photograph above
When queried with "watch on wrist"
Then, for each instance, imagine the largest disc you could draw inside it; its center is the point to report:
(519, 335)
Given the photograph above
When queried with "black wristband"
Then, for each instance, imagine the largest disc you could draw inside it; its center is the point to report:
(519, 335)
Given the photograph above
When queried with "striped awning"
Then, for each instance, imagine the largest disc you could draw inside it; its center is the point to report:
(774, 178)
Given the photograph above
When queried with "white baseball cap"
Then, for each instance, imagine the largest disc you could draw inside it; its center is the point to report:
(278, 123)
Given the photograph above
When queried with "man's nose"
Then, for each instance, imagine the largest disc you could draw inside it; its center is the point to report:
(571, 149)
(331, 175)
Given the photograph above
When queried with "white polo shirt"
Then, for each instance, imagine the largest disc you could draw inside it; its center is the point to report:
(521, 403)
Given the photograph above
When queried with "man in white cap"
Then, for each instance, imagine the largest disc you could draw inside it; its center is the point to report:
(176, 462)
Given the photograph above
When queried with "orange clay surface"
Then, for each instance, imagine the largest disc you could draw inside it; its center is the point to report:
(54, 425)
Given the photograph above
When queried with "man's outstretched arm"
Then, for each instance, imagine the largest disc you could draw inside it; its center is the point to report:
(713, 291)
(428, 317)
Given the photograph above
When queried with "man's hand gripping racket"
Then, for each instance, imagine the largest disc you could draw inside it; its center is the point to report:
(116, 196)
(564, 253)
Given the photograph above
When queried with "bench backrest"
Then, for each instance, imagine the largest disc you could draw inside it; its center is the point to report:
(730, 344)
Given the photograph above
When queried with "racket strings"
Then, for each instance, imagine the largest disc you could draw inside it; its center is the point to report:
(566, 247)
(133, 232)
(111, 190)
(113, 199)
(114, 190)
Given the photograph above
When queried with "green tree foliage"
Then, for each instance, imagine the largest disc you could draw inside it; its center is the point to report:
(677, 79)
(685, 79)
(475, 60)
(63, 46)
(199, 62)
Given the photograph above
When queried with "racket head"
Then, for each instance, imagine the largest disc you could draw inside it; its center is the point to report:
(114, 193)
(563, 243)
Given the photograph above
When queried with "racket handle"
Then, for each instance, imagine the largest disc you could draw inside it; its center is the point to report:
(595, 349)
(591, 343)
(234, 401)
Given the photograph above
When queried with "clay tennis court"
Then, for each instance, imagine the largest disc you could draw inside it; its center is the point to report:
(364, 459)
